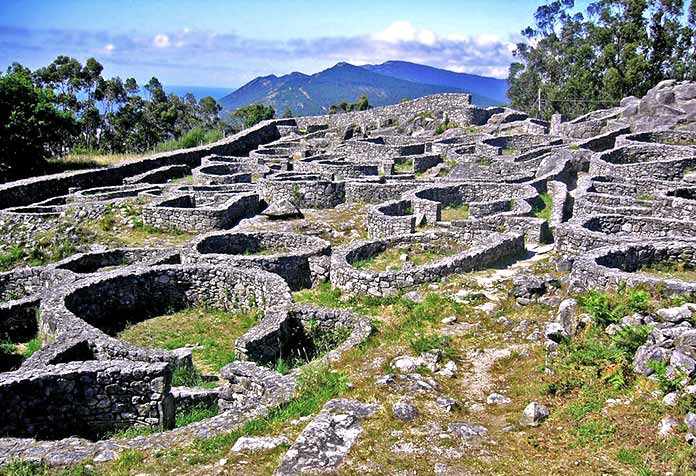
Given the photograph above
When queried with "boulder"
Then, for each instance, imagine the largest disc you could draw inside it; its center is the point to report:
(405, 410)
(326, 440)
(468, 431)
(682, 362)
(497, 399)
(252, 443)
(675, 314)
(534, 414)
(667, 426)
(282, 209)
(645, 354)
(568, 316)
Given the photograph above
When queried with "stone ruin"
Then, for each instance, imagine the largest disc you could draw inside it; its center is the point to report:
(622, 193)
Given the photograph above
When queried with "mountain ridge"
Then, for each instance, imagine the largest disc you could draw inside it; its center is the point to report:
(313, 94)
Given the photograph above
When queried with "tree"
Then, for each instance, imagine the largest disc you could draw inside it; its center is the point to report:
(32, 128)
(254, 113)
(210, 112)
(288, 113)
(362, 104)
(616, 48)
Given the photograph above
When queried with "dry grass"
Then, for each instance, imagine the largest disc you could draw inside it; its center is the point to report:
(88, 161)
(417, 254)
(455, 212)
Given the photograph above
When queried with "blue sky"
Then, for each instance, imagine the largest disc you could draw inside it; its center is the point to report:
(227, 43)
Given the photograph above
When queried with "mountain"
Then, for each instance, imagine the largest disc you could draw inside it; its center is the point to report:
(478, 85)
(313, 94)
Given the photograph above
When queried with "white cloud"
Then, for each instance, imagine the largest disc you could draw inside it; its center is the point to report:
(161, 41)
(109, 47)
(404, 31)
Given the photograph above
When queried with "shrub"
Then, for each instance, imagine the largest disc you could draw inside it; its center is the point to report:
(608, 308)
(629, 338)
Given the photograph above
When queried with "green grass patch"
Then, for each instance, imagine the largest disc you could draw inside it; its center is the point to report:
(404, 167)
(455, 212)
(670, 270)
(215, 331)
(543, 210)
(196, 413)
(418, 254)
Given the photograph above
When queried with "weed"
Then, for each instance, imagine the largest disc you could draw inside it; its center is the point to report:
(196, 413)
(543, 210)
(606, 308)
(629, 338)
(425, 343)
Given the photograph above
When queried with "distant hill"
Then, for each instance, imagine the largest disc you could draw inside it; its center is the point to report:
(313, 94)
(198, 91)
(484, 86)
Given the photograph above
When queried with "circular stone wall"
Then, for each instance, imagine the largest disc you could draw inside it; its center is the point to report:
(299, 259)
(662, 265)
(486, 248)
(596, 231)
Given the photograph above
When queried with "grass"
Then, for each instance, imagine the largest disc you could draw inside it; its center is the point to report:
(213, 331)
(418, 254)
(543, 210)
(584, 434)
(404, 167)
(445, 125)
(509, 151)
(193, 138)
(196, 413)
(670, 270)
(455, 212)
(120, 226)
(89, 160)
(608, 308)
(23, 349)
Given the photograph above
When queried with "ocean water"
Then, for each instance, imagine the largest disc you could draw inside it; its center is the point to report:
(198, 91)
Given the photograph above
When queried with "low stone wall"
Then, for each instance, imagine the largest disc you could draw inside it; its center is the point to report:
(24, 192)
(334, 169)
(103, 305)
(220, 174)
(534, 230)
(20, 297)
(391, 219)
(495, 247)
(655, 161)
(581, 235)
(484, 199)
(299, 259)
(87, 263)
(182, 214)
(519, 143)
(376, 191)
(560, 205)
(160, 175)
(612, 266)
(283, 333)
(666, 137)
(86, 399)
(305, 191)
(457, 105)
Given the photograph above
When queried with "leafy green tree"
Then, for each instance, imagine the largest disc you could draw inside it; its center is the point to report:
(32, 127)
(254, 113)
(288, 113)
(581, 61)
(362, 104)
